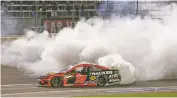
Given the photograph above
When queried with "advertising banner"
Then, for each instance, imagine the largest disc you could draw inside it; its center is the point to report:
(54, 26)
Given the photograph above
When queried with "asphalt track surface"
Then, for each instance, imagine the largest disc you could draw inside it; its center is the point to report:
(15, 83)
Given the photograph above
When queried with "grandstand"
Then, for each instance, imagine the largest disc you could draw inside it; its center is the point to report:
(54, 15)
(32, 13)
(46, 8)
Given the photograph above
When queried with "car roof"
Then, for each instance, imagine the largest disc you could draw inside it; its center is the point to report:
(91, 64)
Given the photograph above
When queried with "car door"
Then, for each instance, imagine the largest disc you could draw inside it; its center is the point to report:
(94, 69)
(70, 77)
(81, 75)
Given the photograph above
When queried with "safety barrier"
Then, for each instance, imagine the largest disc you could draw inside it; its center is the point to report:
(13, 37)
(9, 38)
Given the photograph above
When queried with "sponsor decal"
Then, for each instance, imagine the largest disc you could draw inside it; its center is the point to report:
(92, 78)
(114, 80)
(54, 26)
(101, 73)
(114, 76)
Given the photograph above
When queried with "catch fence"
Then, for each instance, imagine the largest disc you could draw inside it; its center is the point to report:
(59, 14)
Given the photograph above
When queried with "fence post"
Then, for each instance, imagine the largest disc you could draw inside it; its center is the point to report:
(73, 13)
(21, 21)
(36, 15)
(137, 9)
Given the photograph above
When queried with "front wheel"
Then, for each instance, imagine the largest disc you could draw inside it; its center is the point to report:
(56, 82)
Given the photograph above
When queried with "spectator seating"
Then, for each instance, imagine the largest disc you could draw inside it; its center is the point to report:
(29, 8)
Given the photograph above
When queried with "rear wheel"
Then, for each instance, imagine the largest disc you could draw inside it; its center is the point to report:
(56, 82)
(102, 80)
(119, 78)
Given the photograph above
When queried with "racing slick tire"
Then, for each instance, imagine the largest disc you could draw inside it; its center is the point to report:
(102, 80)
(56, 82)
(119, 78)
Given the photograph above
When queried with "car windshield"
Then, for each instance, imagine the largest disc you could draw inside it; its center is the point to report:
(67, 69)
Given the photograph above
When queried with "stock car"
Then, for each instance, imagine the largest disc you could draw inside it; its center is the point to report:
(81, 75)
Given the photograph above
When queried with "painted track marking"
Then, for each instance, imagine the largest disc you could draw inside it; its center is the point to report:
(39, 92)
(17, 85)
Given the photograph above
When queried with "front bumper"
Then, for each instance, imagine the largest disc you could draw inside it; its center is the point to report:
(43, 82)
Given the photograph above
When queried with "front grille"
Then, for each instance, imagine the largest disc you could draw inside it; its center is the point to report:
(42, 82)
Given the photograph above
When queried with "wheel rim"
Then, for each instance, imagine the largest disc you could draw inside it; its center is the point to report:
(101, 81)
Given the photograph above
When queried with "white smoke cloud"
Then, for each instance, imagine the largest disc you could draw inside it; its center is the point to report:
(127, 70)
(142, 49)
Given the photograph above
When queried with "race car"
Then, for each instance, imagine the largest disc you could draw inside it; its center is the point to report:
(81, 75)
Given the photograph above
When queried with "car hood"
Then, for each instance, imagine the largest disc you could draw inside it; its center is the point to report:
(51, 73)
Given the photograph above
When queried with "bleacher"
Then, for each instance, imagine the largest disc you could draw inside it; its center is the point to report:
(27, 9)
(55, 15)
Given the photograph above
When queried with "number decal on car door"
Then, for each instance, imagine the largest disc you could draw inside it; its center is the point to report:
(80, 78)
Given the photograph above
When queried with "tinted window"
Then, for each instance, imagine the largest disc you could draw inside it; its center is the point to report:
(78, 69)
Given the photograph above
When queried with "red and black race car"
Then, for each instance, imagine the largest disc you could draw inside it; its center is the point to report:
(81, 75)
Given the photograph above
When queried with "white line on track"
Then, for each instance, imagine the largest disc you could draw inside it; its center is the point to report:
(44, 92)
(17, 85)
(6, 89)
(25, 93)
